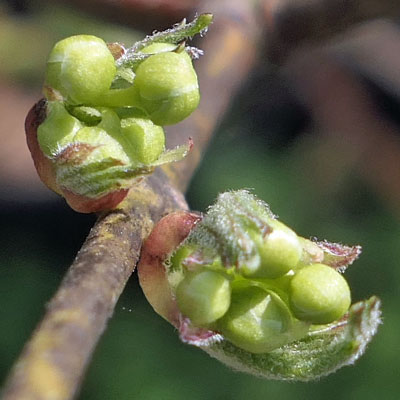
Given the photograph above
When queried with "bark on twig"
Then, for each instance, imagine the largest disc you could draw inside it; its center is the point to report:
(53, 362)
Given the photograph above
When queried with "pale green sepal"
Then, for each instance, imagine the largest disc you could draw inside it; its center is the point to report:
(126, 74)
(123, 79)
(322, 352)
(172, 155)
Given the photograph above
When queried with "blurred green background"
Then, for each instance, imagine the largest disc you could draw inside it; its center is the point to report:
(266, 143)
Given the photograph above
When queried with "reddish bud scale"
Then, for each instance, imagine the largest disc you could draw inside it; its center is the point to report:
(43, 165)
(45, 169)
(166, 236)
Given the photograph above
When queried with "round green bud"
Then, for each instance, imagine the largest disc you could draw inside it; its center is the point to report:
(204, 296)
(167, 87)
(319, 294)
(57, 130)
(81, 68)
(279, 252)
(105, 146)
(144, 140)
(257, 321)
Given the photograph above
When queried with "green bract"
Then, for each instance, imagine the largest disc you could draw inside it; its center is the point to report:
(81, 68)
(319, 294)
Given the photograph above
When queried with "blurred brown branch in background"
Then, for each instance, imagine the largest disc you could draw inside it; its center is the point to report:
(352, 88)
(146, 14)
(292, 23)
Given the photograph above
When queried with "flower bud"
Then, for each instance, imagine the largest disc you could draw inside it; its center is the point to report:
(279, 251)
(81, 68)
(145, 141)
(319, 294)
(46, 166)
(266, 327)
(203, 296)
(167, 86)
(258, 321)
(93, 161)
(58, 129)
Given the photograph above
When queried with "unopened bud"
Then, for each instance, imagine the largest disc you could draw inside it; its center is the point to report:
(319, 294)
(204, 296)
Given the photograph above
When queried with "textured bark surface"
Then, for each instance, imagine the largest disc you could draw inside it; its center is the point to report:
(53, 362)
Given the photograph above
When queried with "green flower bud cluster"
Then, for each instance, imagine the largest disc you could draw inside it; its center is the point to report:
(81, 70)
(94, 151)
(103, 125)
(246, 275)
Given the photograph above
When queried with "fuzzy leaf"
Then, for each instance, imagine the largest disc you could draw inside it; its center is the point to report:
(337, 255)
(178, 33)
(224, 229)
(174, 35)
(319, 354)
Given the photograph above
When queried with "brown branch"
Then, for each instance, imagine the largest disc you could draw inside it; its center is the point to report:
(53, 362)
(291, 23)
(144, 14)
